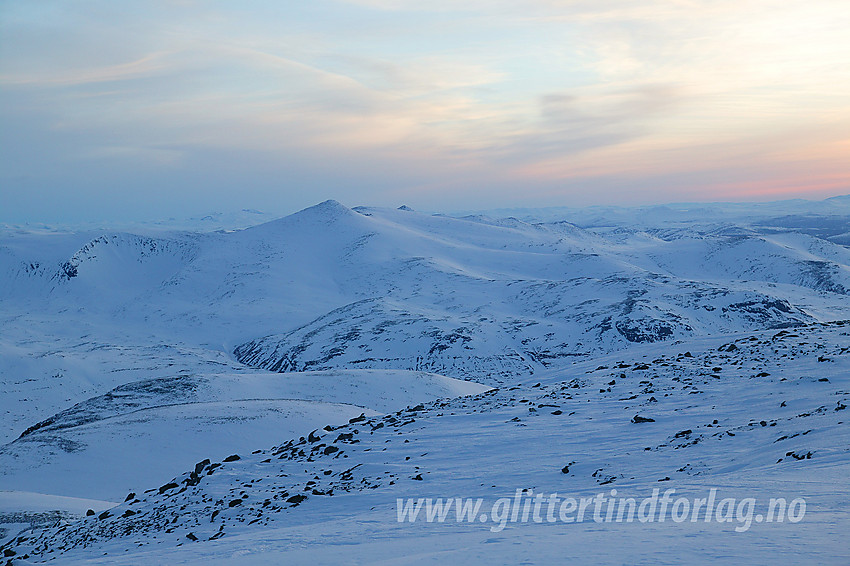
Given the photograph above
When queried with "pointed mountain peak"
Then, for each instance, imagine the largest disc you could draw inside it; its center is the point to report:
(329, 210)
(325, 212)
(329, 204)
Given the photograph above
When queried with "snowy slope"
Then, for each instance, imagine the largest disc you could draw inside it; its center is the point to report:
(87, 444)
(127, 358)
(772, 408)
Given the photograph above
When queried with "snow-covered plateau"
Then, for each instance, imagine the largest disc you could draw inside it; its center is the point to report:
(277, 394)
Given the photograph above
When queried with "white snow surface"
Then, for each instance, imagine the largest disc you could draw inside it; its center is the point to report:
(357, 356)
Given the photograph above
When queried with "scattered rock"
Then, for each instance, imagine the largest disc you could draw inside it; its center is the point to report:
(639, 419)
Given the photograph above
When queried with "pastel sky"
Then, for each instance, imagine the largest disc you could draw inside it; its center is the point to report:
(135, 110)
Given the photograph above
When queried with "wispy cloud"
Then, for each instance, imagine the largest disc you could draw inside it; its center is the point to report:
(442, 99)
(146, 66)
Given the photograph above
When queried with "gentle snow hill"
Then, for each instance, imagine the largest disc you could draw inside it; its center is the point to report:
(87, 444)
(550, 292)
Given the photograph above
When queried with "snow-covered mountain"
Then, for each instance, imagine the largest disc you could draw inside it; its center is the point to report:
(127, 358)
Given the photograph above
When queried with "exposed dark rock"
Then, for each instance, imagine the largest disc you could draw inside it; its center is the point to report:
(199, 467)
(640, 419)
